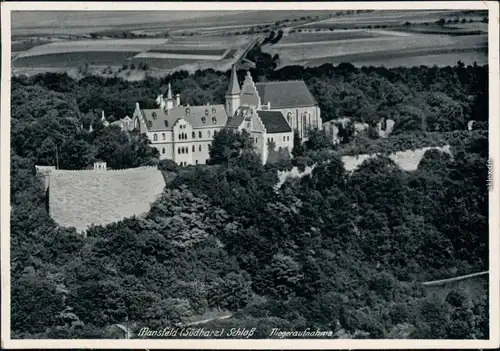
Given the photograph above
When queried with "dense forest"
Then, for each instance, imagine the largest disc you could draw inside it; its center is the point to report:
(335, 251)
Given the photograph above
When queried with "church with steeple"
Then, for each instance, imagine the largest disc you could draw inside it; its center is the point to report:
(270, 112)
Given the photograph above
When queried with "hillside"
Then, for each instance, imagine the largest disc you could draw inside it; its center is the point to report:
(337, 250)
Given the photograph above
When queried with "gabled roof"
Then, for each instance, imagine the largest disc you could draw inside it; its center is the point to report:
(292, 93)
(236, 120)
(198, 117)
(274, 121)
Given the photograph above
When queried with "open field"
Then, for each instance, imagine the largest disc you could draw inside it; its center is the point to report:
(163, 63)
(197, 51)
(379, 47)
(173, 55)
(389, 18)
(75, 59)
(127, 45)
(35, 23)
(424, 58)
(295, 38)
(316, 44)
(158, 53)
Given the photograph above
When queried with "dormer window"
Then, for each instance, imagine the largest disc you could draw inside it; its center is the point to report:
(214, 120)
(206, 112)
(214, 110)
(153, 115)
(203, 120)
(188, 111)
(150, 124)
(166, 123)
(165, 109)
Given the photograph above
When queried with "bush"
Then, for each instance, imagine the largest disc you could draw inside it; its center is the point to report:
(168, 166)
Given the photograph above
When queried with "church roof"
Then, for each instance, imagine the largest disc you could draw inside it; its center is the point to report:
(236, 120)
(292, 93)
(234, 87)
(208, 116)
(274, 121)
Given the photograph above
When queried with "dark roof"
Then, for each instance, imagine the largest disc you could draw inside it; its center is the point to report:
(195, 117)
(292, 93)
(236, 120)
(274, 122)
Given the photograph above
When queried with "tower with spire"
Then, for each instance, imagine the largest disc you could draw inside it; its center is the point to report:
(233, 93)
(169, 101)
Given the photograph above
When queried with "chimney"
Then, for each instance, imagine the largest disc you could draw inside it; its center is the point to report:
(137, 106)
(269, 105)
(177, 100)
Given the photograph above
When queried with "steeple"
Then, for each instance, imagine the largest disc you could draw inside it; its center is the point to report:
(103, 119)
(169, 93)
(234, 87)
(233, 94)
(169, 100)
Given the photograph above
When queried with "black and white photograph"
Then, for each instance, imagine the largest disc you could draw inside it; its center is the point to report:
(249, 175)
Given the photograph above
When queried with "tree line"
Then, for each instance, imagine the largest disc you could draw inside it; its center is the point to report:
(337, 251)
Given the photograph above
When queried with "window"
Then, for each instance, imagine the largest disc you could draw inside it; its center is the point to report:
(288, 138)
(203, 120)
(153, 115)
(193, 135)
(289, 117)
(163, 150)
(179, 150)
(199, 134)
(283, 138)
(196, 161)
(155, 137)
(208, 133)
(194, 149)
(214, 120)
(180, 136)
(166, 123)
(199, 147)
(209, 146)
(163, 136)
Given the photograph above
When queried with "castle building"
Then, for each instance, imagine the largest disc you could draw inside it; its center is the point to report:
(269, 112)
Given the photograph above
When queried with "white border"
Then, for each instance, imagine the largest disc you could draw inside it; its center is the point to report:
(494, 205)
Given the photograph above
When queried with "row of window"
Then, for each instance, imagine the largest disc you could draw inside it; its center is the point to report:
(285, 138)
(183, 136)
(155, 136)
(204, 120)
(185, 149)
